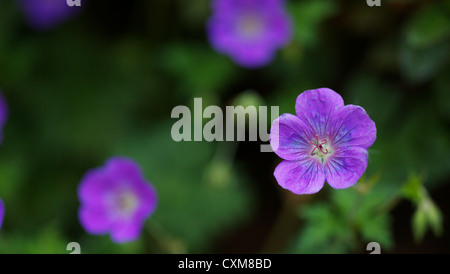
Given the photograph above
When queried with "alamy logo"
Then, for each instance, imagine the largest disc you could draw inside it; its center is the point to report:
(73, 3)
(221, 126)
(372, 3)
(74, 247)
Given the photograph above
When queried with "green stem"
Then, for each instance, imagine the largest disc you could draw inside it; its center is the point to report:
(354, 209)
(163, 240)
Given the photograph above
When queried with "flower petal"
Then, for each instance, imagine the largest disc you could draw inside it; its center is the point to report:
(94, 188)
(94, 221)
(3, 110)
(289, 137)
(147, 200)
(2, 212)
(344, 168)
(300, 177)
(45, 14)
(316, 107)
(127, 174)
(352, 126)
(122, 170)
(249, 31)
(126, 231)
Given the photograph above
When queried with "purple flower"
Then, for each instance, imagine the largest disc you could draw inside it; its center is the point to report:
(45, 14)
(116, 199)
(3, 114)
(324, 141)
(249, 31)
(2, 212)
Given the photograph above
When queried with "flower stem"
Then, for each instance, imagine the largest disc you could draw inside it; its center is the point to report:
(166, 243)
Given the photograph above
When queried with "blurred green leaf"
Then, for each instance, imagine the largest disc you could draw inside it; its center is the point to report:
(248, 98)
(335, 226)
(378, 97)
(378, 229)
(431, 159)
(413, 189)
(12, 174)
(419, 65)
(200, 70)
(427, 215)
(419, 224)
(307, 16)
(428, 26)
(46, 240)
(324, 232)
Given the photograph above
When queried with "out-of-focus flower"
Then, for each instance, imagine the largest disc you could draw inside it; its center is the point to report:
(116, 199)
(249, 31)
(3, 115)
(324, 141)
(45, 14)
(2, 212)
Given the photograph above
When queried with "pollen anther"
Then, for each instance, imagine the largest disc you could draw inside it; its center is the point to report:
(319, 146)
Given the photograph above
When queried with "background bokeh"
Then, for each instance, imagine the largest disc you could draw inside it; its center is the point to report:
(104, 83)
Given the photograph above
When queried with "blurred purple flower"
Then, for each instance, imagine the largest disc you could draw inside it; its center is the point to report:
(249, 31)
(2, 212)
(324, 141)
(116, 199)
(45, 14)
(3, 115)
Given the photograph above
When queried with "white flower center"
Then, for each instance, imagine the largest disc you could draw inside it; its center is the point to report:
(320, 149)
(125, 203)
(250, 26)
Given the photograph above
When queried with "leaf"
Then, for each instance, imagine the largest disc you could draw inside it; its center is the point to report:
(307, 16)
(427, 215)
(377, 229)
(336, 224)
(197, 70)
(419, 224)
(413, 189)
(323, 232)
(428, 26)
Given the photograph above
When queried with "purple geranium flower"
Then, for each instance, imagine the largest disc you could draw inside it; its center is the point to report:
(324, 141)
(3, 115)
(45, 14)
(116, 199)
(249, 31)
(2, 212)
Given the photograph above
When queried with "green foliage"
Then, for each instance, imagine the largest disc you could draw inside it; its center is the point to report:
(427, 214)
(199, 195)
(419, 65)
(48, 241)
(191, 63)
(307, 17)
(425, 48)
(352, 218)
(429, 25)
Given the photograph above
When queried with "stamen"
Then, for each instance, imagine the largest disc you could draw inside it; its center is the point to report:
(319, 146)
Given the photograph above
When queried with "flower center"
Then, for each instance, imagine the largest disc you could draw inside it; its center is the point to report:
(320, 149)
(126, 202)
(250, 26)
